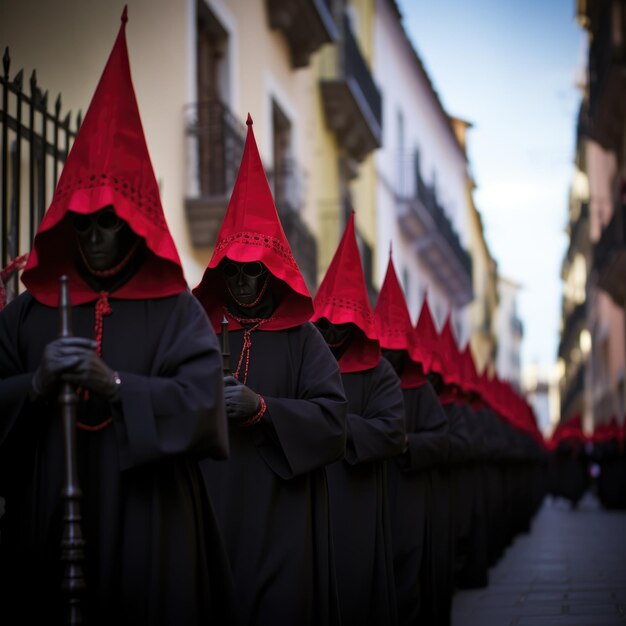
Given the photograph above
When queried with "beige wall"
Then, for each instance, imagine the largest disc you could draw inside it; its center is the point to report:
(68, 43)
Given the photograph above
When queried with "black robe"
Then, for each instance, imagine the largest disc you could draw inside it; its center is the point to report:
(271, 496)
(418, 493)
(153, 552)
(359, 508)
(571, 470)
(611, 482)
(467, 482)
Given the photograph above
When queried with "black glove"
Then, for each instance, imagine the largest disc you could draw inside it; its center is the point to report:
(240, 401)
(74, 360)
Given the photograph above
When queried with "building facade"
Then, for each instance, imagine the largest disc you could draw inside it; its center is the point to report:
(421, 189)
(345, 117)
(592, 349)
(509, 331)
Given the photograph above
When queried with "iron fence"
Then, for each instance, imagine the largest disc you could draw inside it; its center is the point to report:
(35, 141)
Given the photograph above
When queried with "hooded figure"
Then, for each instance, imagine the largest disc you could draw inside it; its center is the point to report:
(286, 415)
(436, 598)
(412, 476)
(147, 369)
(570, 460)
(358, 484)
(608, 453)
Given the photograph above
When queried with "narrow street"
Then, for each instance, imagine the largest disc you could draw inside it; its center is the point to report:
(569, 570)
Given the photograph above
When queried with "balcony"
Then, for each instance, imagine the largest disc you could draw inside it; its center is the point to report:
(434, 239)
(367, 259)
(578, 230)
(215, 145)
(607, 76)
(573, 323)
(609, 256)
(352, 102)
(287, 182)
(306, 24)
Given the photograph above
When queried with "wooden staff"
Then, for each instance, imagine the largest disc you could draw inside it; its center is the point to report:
(72, 543)
(225, 347)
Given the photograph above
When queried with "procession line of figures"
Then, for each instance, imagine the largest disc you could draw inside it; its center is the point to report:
(324, 465)
(580, 462)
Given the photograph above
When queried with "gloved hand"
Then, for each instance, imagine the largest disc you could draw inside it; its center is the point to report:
(74, 360)
(240, 401)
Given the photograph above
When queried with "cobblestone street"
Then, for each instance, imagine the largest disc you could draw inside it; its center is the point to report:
(569, 570)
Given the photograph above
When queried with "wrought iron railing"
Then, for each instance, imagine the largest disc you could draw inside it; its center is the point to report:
(574, 320)
(612, 238)
(355, 67)
(346, 63)
(288, 185)
(575, 228)
(428, 197)
(410, 187)
(35, 142)
(287, 181)
(217, 140)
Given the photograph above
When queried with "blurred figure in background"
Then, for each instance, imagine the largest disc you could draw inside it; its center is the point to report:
(358, 484)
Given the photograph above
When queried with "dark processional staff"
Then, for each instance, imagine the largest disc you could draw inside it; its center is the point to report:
(72, 544)
(225, 347)
(141, 379)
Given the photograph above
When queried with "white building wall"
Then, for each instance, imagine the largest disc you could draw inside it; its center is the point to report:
(509, 340)
(408, 95)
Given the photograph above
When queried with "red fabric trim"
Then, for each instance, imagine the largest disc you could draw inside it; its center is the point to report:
(95, 428)
(258, 415)
(15, 265)
(342, 298)
(251, 231)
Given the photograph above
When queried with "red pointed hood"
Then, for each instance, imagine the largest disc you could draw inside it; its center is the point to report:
(426, 341)
(251, 231)
(468, 368)
(391, 315)
(394, 328)
(342, 298)
(108, 164)
(570, 430)
(451, 355)
(607, 431)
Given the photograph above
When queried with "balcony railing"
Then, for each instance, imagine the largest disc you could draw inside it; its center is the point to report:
(306, 24)
(607, 76)
(35, 142)
(352, 101)
(288, 185)
(609, 256)
(577, 240)
(367, 259)
(435, 240)
(287, 182)
(215, 145)
(574, 322)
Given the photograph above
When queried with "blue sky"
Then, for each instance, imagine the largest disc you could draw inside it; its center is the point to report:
(510, 67)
